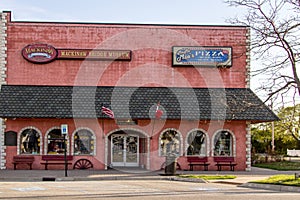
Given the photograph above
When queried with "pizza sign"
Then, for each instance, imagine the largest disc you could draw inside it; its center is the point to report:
(202, 56)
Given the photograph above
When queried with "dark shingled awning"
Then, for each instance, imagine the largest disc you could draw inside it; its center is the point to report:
(21, 101)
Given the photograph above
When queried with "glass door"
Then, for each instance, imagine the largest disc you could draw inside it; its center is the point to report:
(117, 149)
(125, 150)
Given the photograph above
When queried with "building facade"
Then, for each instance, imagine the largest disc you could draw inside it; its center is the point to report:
(56, 75)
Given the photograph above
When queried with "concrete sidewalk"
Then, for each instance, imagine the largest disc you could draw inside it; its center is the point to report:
(243, 177)
(126, 173)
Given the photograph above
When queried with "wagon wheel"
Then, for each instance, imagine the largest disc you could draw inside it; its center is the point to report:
(83, 164)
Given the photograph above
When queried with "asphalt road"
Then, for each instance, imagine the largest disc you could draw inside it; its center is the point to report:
(135, 189)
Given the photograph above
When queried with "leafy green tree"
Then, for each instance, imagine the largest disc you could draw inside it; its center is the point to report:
(261, 138)
(288, 128)
(286, 132)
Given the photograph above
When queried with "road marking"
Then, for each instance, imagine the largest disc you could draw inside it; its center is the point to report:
(29, 189)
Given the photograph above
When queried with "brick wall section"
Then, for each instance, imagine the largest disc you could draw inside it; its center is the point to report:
(151, 58)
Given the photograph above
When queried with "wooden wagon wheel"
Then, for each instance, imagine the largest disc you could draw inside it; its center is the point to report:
(83, 164)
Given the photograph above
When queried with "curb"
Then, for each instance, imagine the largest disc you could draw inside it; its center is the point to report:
(281, 188)
(194, 180)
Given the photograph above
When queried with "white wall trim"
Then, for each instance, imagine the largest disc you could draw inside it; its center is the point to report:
(248, 147)
(248, 57)
(3, 57)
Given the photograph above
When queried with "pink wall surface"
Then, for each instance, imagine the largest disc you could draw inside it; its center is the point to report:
(143, 127)
(151, 47)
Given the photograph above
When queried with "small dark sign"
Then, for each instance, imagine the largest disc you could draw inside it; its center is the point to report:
(202, 56)
(39, 53)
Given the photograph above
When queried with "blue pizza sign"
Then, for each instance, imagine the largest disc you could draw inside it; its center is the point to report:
(202, 56)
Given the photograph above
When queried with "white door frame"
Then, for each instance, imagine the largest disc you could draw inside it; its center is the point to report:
(124, 163)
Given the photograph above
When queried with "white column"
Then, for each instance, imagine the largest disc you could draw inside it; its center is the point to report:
(106, 152)
(3, 56)
(248, 147)
(148, 153)
(248, 47)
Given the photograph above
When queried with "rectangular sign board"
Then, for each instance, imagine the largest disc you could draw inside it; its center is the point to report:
(202, 56)
(64, 129)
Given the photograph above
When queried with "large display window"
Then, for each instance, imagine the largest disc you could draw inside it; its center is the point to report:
(197, 143)
(30, 142)
(170, 143)
(223, 143)
(55, 141)
(84, 142)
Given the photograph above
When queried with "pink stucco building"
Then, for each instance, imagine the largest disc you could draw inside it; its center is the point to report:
(55, 74)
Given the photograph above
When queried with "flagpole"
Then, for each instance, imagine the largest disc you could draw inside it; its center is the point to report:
(153, 128)
(154, 120)
(149, 146)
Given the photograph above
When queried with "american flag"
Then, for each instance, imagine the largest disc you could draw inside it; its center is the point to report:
(158, 112)
(108, 112)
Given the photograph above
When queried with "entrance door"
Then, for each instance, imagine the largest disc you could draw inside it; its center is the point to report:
(125, 150)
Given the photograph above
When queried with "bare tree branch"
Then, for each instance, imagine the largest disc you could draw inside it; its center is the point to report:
(275, 28)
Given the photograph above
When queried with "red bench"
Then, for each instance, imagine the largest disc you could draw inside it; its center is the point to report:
(55, 160)
(23, 160)
(225, 161)
(195, 160)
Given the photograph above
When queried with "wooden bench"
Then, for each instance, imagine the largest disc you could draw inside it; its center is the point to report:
(55, 160)
(225, 161)
(23, 160)
(195, 160)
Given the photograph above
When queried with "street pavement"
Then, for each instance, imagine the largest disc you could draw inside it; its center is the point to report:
(243, 177)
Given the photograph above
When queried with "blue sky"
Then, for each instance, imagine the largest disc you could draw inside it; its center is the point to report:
(202, 12)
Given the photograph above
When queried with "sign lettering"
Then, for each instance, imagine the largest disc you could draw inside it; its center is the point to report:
(94, 54)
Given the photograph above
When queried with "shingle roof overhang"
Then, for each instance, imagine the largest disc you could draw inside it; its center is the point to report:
(23, 101)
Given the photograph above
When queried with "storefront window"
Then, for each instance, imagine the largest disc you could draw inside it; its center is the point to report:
(169, 143)
(55, 142)
(196, 144)
(223, 144)
(83, 142)
(30, 142)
